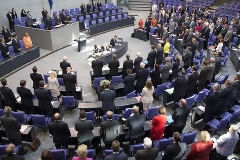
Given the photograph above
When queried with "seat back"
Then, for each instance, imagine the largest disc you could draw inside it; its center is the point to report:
(97, 81)
(60, 81)
(115, 117)
(107, 152)
(93, 22)
(22, 44)
(3, 150)
(90, 115)
(152, 112)
(58, 154)
(39, 120)
(68, 101)
(119, 16)
(100, 14)
(223, 123)
(45, 77)
(201, 96)
(74, 19)
(94, 15)
(113, 18)
(160, 88)
(19, 116)
(190, 101)
(235, 116)
(1, 112)
(128, 112)
(11, 50)
(106, 19)
(189, 138)
(135, 148)
(81, 18)
(132, 94)
(163, 143)
(116, 79)
(125, 15)
(87, 16)
(42, 26)
(1, 57)
(100, 20)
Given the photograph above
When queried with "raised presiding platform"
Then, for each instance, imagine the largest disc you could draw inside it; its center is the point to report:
(118, 23)
(51, 39)
(106, 56)
(10, 64)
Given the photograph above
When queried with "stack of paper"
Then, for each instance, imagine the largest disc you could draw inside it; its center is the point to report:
(201, 108)
(23, 128)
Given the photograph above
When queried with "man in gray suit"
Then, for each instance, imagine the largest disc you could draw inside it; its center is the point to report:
(211, 68)
(165, 70)
(29, 21)
(171, 26)
(12, 127)
(107, 97)
(110, 129)
(228, 37)
(84, 128)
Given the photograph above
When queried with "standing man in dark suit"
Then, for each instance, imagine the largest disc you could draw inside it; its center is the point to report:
(187, 58)
(148, 152)
(58, 19)
(129, 82)
(180, 86)
(235, 89)
(44, 13)
(159, 54)
(127, 64)
(224, 30)
(48, 22)
(97, 66)
(175, 150)
(211, 68)
(88, 7)
(217, 29)
(70, 82)
(155, 76)
(211, 107)
(192, 82)
(193, 49)
(4, 49)
(60, 132)
(110, 130)
(44, 100)
(6, 34)
(218, 65)
(64, 17)
(206, 33)
(141, 77)
(99, 5)
(135, 125)
(116, 155)
(12, 127)
(16, 44)
(137, 62)
(10, 21)
(64, 64)
(83, 8)
(151, 57)
(36, 78)
(107, 97)
(29, 20)
(113, 41)
(26, 97)
(113, 66)
(202, 78)
(180, 117)
(84, 128)
(165, 70)
(225, 97)
(8, 96)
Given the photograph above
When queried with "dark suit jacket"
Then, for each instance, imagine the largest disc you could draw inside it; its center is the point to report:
(206, 33)
(211, 107)
(180, 116)
(218, 66)
(176, 30)
(175, 69)
(36, 78)
(16, 45)
(118, 156)
(159, 56)
(9, 98)
(58, 20)
(180, 86)
(217, 30)
(137, 62)
(225, 97)
(192, 80)
(29, 21)
(129, 83)
(97, 66)
(187, 59)
(155, 77)
(64, 18)
(13, 157)
(4, 50)
(44, 98)
(224, 32)
(107, 97)
(165, 70)
(26, 96)
(48, 23)
(113, 66)
(145, 154)
(142, 75)
(135, 124)
(82, 8)
(171, 151)
(113, 42)
(193, 48)
(6, 34)
(88, 6)
(127, 64)
(151, 58)
(84, 128)
(12, 127)
(70, 81)
(60, 132)
(110, 129)
(203, 75)
(64, 65)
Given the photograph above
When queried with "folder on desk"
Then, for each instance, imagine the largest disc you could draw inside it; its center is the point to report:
(73, 132)
(139, 98)
(170, 90)
(78, 88)
(23, 128)
(201, 108)
(19, 99)
(60, 72)
(72, 72)
(169, 119)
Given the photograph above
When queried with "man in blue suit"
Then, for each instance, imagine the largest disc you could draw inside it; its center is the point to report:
(107, 97)
(116, 155)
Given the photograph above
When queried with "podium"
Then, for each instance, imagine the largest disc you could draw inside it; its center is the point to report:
(81, 43)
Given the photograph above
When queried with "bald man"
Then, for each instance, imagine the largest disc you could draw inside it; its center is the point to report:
(60, 132)
(10, 153)
(64, 64)
(70, 82)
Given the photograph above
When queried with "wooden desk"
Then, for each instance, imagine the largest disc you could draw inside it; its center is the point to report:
(57, 107)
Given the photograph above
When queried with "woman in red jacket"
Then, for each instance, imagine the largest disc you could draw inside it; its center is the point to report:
(158, 124)
(200, 150)
(140, 24)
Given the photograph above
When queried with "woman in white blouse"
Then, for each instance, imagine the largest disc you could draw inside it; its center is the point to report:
(53, 84)
(147, 95)
(219, 47)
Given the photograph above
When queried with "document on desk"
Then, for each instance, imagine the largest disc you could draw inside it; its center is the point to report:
(23, 128)
(169, 119)
(201, 108)
(78, 88)
(170, 90)
(73, 132)
(139, 98)
(19, 99)
(60, 72)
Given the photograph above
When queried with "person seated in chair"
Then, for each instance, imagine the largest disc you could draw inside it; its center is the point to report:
(4, 48)
(113, 41)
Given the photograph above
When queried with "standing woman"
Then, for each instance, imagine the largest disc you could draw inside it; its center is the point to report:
(53, 84)
(147, 95)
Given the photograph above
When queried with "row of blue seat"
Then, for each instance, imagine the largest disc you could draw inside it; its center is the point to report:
(11, 49)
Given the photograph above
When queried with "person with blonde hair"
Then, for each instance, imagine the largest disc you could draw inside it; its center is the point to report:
(147, 95)
(27, 41)
(82, 153)
(201, 149)
(53, 84)
(158, 124)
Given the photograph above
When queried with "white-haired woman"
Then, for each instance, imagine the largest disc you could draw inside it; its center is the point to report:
(53, 84)
(82, 153)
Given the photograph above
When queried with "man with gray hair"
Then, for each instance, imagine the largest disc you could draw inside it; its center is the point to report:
(225, 144)
(211, 107)
(141, 76)
(165, 70)
(211, 67)
(137, 62)
(64, 64)
(148, 152)
(228, 37)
